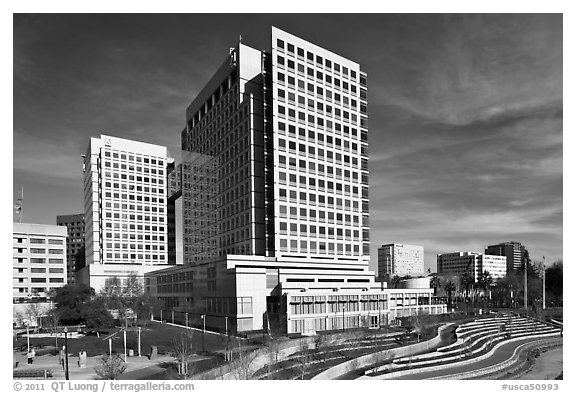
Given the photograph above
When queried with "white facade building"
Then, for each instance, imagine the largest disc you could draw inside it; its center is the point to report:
(39, 260)
(275, 193)
(400, 260)
(125, 209)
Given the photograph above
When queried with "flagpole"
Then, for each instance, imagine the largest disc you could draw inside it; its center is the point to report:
(21, 204)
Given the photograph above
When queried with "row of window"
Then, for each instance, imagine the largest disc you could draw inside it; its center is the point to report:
(133, 257)
(132, 169)
(132, 157)
(322, 184)
(35, 280)
(319, 137)
(132, 197)
(313, 197)
(320, 61)
(322, 247)
(131, 207)
(40, 270)
(311, 73)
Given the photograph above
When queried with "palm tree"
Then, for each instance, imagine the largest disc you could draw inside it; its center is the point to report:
(467, 281)
(449, 287)
(435, 283)
(484, 282)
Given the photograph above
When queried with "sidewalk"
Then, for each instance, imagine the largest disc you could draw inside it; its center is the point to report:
(75, 372)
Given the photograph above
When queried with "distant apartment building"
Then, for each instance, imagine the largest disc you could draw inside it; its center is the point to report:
(74, 223)
(274, 188)
(473, 263)
(39, 261)
(513, 251)
(126, 215)
(400, 260)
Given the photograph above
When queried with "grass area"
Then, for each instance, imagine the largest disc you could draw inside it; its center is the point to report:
(157, 334)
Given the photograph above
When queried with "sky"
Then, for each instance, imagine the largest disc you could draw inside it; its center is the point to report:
(465, 111)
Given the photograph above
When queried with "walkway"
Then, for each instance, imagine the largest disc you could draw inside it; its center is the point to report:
(75, 372)
(501, 354)
(547, 366)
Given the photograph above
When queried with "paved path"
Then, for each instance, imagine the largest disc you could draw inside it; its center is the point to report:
(51, 362)
(547, 366)
(501, 354)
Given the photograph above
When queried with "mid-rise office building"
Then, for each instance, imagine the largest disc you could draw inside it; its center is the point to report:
(274, 187)
(400, 260)
(39, 261)
(513, 251)
(74, 223)
(126, 217)
(472, 263)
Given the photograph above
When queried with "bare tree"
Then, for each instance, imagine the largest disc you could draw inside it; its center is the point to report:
(33, 313)
(244, 357)
(304, 359)
(183, 350)
(110, 367)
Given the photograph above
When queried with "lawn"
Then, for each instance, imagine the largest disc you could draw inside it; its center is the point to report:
(160, 335)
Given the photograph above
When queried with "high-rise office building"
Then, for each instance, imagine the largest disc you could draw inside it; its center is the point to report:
(125, 205)
(39, 260)
(513, 251)
(74, 223)
(400, 260)
(472, 263)
(274, 186)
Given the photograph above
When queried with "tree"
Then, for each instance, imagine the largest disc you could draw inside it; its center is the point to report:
(69, 300)
(110, 367)
(554, 283)
(485, 282)
(449, 287)
(243, 359)
(96, 315)
(183, 350)
(395, 282)
(435, 283)
(467, 281)
(144, 306)
(303, 358)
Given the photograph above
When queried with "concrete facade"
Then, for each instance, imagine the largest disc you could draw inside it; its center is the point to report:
(473, 263)
(274, 187)
(125, 205)
(513, 251)
(39, 260)
(400, 260)
(74, 223)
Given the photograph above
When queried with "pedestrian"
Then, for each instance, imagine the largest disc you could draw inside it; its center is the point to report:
(29, 357)
(33, 355)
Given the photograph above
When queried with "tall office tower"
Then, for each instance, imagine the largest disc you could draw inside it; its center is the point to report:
(400, 260)
(473, 263)
(74, 223)
(39, 260)
(125, 209)
(513, 251)
(274, 185)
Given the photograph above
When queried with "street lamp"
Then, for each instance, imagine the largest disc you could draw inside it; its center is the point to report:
(226, 322)
(203, 316)
(139, 342)
(544, 283)
(66, 352)
(342, 317)
(125, 356)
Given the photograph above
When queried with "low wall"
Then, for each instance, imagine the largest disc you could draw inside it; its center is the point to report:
(373, 358)
(397, 374)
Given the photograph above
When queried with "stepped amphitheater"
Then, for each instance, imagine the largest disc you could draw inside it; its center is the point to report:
(476, 342)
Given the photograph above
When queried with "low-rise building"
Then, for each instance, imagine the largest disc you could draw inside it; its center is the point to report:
(39, 260)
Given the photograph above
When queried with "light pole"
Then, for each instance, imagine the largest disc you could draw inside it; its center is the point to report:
(28, 338)
(139, 342)
(544, 283)
(342, 317)
(186, 320)
(66, 352)
(526, 285)
(226, 322)
(203, 316)
(125, 356)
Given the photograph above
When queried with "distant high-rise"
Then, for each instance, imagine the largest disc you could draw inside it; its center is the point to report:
(513, 251)
(39, 260)
(125, 209)
(472, 263)
(74, 242)
(400, 260)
